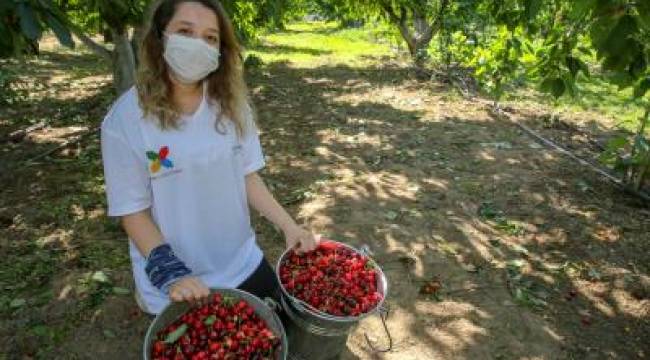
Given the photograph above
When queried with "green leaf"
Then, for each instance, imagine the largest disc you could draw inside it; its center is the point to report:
(18, 302)
(529, 47)
(583, 186)
(520, 249)
(28, 22)
(100, 276)
(585, 50)
(537, 301)
(594, 274)
(521, 296)
(152, 155)
(617, 143)
(610, 155)
(515, 264)
(638, 66)
(642, 88)
(570, 83)
(572, 65)
(533, 8)
(584, 6)
(576, 65)
(558, 88)
(121, 291)
(622, 79)
(391, 215)
(228, 300)
(40, 330)
(607, 157)
(173, 336)
(644, 9)
(617, 45)
(488, 211)
(210, 320)
(555, 86)
(583, 67)
(61, 32)
(641, 144)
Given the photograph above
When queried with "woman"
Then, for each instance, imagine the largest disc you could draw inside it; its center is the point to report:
(181, 155)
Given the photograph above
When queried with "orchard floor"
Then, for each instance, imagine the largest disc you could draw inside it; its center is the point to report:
(526, 254)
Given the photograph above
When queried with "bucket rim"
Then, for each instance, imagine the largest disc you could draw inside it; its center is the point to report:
(382, 286)
(241, 294)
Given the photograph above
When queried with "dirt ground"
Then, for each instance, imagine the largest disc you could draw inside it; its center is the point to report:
(494, 247)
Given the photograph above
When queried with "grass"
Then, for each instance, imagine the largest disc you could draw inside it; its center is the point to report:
(595, 94)
(596, 101)
(310, 45)
(54, 207)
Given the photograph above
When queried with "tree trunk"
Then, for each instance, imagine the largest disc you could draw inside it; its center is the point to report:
(32, 47)
(417, 41)
(123, 62)
(122, 57)
(421, 52)
(107, 35)
(136, 41)
(410, 41)
(91, 44)
(644, 167)
(420, 23)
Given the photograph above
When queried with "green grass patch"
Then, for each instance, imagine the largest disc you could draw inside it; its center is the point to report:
(596, 99)
(313, 44)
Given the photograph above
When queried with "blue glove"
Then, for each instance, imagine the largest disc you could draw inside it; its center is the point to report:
(163, 267)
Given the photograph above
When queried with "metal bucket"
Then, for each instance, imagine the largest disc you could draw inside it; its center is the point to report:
(313, 334)
(175, 310)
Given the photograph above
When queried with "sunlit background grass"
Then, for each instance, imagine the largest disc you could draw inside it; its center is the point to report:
(313, 44)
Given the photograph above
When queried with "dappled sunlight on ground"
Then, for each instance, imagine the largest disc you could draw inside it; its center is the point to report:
(414, 194)
(532, 257)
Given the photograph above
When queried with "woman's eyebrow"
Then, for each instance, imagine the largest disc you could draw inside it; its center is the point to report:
(185, 22)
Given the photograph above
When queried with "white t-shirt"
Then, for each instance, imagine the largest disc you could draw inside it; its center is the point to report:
(193, 179)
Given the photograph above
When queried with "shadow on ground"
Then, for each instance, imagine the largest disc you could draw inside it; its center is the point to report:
(536, 257)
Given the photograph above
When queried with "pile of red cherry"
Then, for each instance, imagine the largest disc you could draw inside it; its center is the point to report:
(222, 329)
(332, 278)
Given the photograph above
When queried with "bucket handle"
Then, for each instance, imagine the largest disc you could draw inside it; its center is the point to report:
(383, 312)
(383, 315)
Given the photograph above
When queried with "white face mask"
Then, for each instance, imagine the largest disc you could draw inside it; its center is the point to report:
(190, 59)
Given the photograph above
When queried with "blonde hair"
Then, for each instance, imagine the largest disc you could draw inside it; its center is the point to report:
(225, 86)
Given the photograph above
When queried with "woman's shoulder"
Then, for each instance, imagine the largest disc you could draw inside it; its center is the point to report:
(124, 113)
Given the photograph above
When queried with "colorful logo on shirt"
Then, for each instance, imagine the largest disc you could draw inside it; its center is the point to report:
(158, 159)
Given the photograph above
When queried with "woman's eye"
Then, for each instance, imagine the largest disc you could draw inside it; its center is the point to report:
(212, 39)
(184, 32)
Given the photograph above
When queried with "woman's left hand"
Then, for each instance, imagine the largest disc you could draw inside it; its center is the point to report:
(303, 240)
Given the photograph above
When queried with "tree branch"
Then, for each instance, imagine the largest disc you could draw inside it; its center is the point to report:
(437, 22)
(92, 45)
(388, 8)
(78, 32)
(392, 15)
(402, 15)
(401, 22)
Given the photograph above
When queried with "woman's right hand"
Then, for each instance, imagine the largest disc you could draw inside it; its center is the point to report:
(190, 289)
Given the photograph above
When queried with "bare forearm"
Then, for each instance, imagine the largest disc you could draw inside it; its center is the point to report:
(143, 231)
(261, 199)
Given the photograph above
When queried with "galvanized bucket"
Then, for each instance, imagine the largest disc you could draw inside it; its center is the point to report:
(175, 310)
(316, 335)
